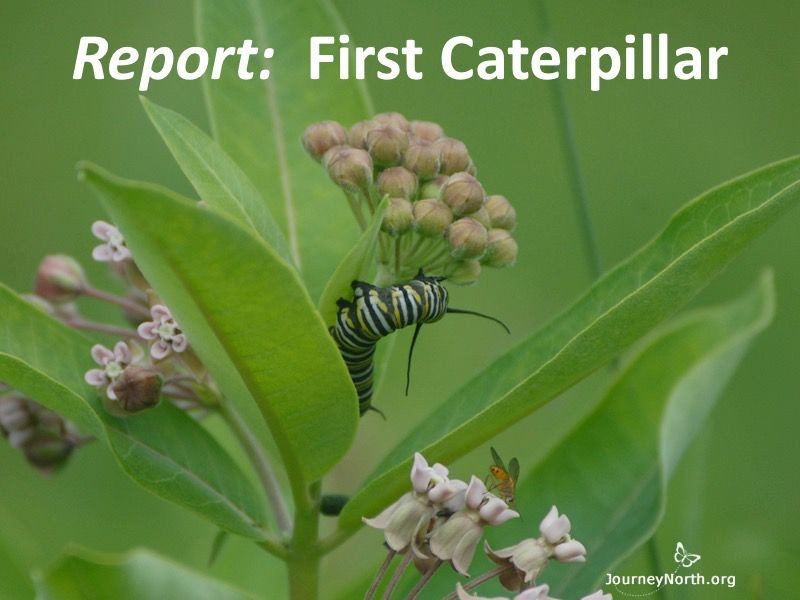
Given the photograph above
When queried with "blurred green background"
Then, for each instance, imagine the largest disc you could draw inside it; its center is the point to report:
(646, 148)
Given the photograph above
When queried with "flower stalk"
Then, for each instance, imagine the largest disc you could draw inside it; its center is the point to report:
(397, 575)
(376, 582)
(129, 305)
(480, 580)
(261, 465)
(417, 589)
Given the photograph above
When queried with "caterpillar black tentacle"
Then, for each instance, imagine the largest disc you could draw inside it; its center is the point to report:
(459, 311)
(377, 312)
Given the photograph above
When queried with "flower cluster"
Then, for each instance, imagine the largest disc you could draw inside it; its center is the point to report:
(442, 520)
(539, 592)
(526, 559)
(41, 435)
(438, 217)
(149, 361)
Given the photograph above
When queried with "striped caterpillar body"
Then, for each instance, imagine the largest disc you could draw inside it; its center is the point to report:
(376, 312)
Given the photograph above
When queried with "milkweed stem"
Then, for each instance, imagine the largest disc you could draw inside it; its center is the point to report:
(85, 325)
(260, 463)
(570, 149)
(125, 303)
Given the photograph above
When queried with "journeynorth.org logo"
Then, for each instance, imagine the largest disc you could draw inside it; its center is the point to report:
(639, 586)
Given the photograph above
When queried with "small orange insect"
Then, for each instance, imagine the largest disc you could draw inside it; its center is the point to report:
(504, 480)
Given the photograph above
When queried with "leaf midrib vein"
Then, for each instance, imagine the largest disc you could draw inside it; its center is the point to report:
(279, 139)
(214, 174)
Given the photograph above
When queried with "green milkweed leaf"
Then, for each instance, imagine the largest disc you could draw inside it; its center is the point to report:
(610, 474)
(81, 574)
(355, 265)
(248, 317)
(622, 306)
(260, 123)
(163, 449)
(218, 180)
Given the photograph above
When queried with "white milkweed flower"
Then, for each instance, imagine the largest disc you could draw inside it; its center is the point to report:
(531, 555)
(113, 248)
(540, 592)
(112, 364)
(164, 331)
(456, 540)
(598, 595)
(405, 522)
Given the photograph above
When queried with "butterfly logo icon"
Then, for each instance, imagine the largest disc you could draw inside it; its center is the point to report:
(684, 558)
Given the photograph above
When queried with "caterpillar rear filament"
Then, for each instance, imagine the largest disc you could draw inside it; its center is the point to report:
(376, 312)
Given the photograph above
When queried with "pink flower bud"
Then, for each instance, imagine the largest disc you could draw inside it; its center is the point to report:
(358, 134)
(501, 250)
(395, 119)
(422, 158)
(137, 389)
(59, 279)
(397, 182)
(467, 238)
(426, 130)
(350, 168)
(321, 137)
(454, 155)
(398, 218)
(386, 144)
(463, 194)
(501, 213)
(431, 217)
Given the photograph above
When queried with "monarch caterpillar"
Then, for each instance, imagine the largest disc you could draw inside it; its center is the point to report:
(376, 312)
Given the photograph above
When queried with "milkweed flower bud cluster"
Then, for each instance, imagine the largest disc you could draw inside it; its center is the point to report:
(442, 520)
(438, 216)
(46, 439)
(150, 359)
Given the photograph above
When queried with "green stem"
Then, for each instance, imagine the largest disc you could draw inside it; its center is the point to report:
(355, 207)
(397, 257)
(130, 305)
(85, 325)
(260, 463)
(304, 555)
(570, 149)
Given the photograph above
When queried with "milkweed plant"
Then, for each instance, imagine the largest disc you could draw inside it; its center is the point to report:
(271, 301)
